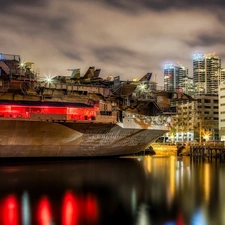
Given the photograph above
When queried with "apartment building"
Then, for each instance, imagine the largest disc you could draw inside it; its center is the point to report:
(197, 119)
(206, 73)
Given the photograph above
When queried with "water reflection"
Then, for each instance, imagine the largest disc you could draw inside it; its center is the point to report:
(138, 191)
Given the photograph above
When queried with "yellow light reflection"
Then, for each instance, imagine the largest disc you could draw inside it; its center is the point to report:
(172, 180)
(148, 164)
(206, 182)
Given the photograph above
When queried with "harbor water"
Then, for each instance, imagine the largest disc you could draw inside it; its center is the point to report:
(140, 190)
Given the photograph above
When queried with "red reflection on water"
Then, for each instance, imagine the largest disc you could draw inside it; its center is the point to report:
(180, 219)
(70, 209)
(91, 212)
(44, 212)
(10, 211)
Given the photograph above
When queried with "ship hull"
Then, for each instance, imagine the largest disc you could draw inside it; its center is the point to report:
(87, 139)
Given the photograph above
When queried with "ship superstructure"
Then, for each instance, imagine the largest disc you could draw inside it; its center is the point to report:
(76, 115)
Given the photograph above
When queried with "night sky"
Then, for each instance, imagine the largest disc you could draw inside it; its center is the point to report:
(127, 38)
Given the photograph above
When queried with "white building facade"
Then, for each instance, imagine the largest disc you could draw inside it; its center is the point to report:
(197, 119)
(206, 73)
(222, 111)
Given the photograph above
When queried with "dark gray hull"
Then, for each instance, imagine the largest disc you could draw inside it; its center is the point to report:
(86, 139)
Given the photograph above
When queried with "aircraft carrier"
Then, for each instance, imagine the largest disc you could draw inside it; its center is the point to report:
(77, 116)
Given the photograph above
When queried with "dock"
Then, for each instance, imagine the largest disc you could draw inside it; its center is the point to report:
(208, 150)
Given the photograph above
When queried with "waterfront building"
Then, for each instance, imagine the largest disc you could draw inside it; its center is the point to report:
(175, 77)
(183, 121)
(206, 73)
(208, 118)
(222, 75)
(197, 119)
(222, 111)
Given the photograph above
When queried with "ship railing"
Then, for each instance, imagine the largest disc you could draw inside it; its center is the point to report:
(9, 57)
(146, 98)
(30, 77)
(105, 91)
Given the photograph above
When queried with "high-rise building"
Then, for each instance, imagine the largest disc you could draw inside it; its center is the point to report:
(175, 77)
(222, 111)
(206, 73)
(222, 76)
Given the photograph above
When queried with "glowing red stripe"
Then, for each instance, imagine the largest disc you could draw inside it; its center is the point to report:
(25, 111)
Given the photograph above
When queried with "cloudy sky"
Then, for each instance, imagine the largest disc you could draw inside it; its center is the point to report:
(122, 37)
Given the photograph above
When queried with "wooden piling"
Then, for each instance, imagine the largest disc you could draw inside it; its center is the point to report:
(209, 152)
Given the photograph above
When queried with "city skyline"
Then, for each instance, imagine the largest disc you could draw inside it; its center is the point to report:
(125, 38)
(207, 74)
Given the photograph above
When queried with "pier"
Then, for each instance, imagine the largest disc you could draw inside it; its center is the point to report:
(208, 150)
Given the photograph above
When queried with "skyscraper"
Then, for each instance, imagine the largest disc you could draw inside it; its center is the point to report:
(206, 73)
(175, 77)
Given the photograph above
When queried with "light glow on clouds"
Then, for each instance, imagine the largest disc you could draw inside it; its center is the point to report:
(121, 38)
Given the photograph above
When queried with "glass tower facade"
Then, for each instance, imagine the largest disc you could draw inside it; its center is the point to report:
(206, 73)
(175, 77)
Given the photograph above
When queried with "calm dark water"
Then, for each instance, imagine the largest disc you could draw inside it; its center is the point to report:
(136, 190)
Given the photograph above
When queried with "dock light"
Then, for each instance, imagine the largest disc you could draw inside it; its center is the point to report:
(206, 134)
(206, 137)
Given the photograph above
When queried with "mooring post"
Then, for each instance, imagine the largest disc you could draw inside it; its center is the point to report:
(222, 155)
